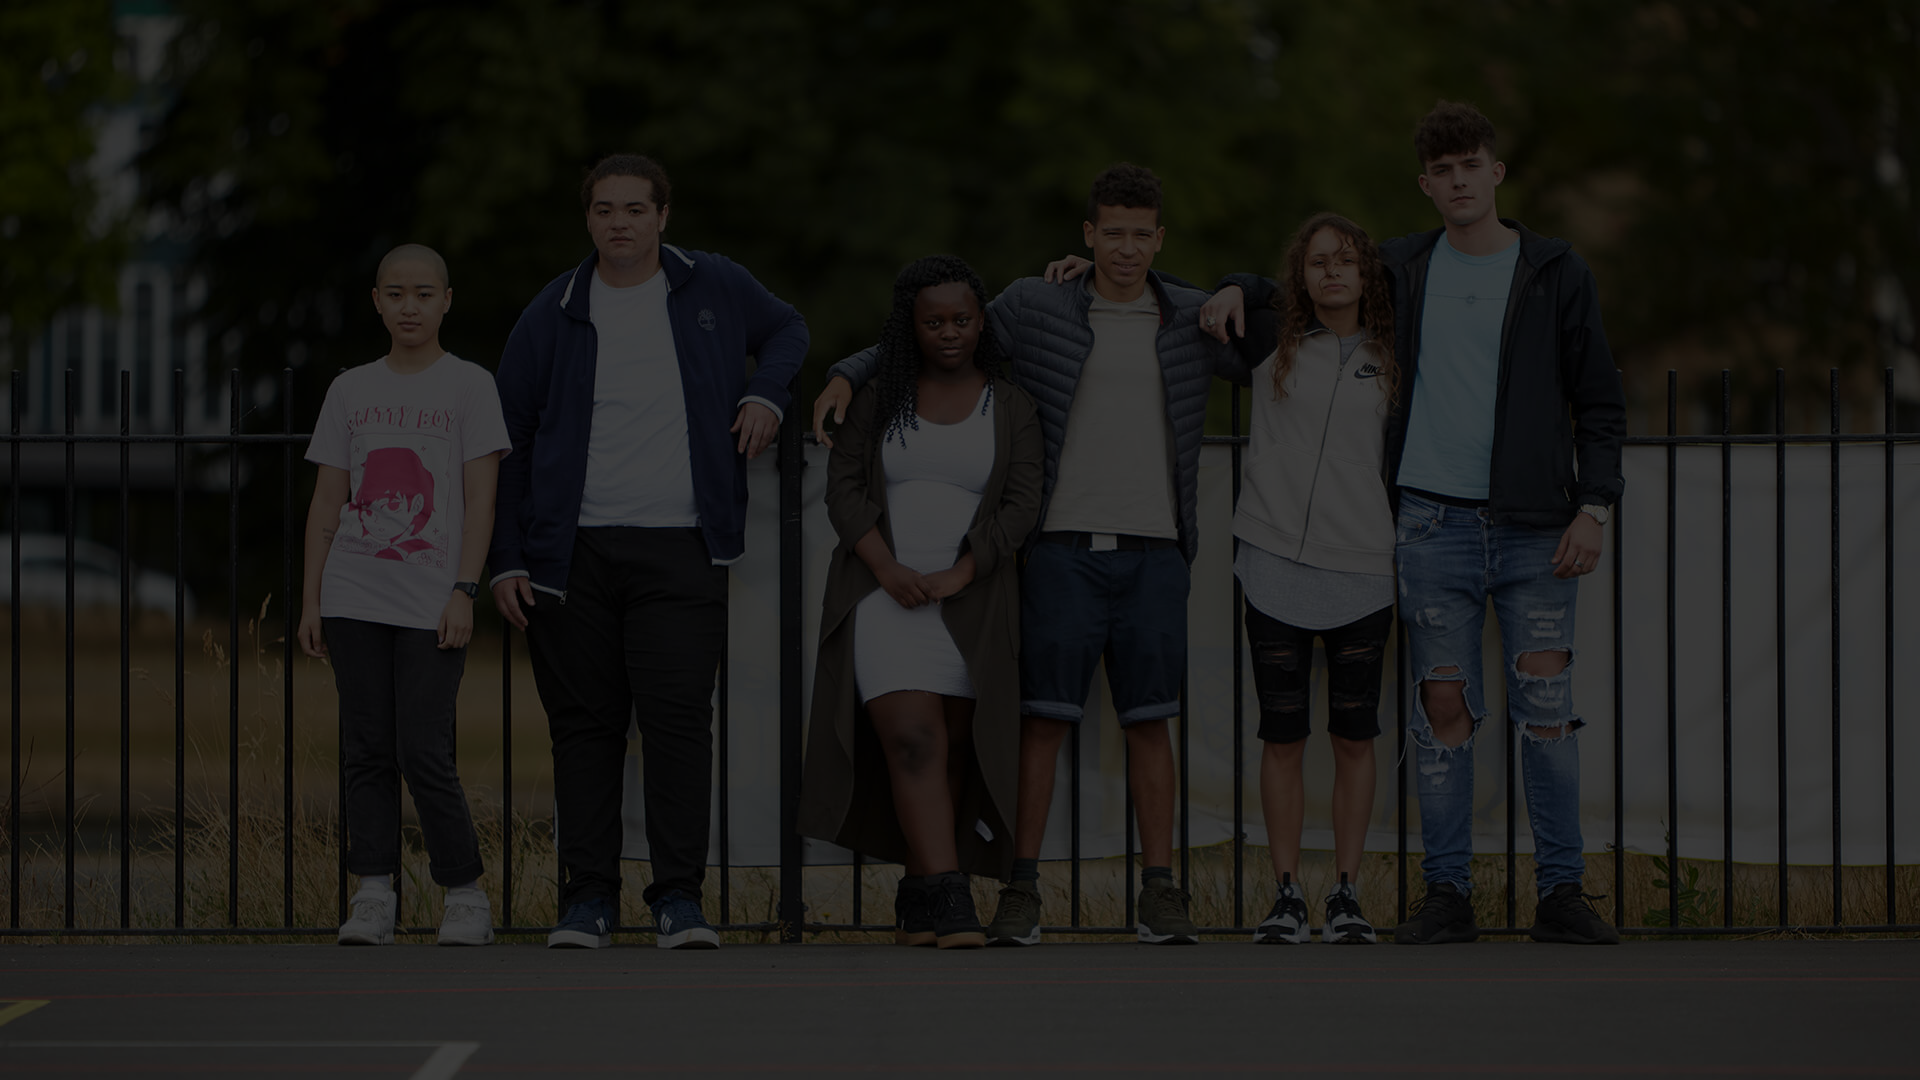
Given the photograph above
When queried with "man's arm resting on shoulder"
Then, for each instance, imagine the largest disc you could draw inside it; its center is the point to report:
(844, 379)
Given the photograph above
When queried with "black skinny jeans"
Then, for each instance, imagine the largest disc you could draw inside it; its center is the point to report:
(397, 690)
(639, 637)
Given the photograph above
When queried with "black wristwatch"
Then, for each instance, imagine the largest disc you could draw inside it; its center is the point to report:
(471, 588)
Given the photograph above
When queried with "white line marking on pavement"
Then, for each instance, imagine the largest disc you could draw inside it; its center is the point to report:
(444, 1062)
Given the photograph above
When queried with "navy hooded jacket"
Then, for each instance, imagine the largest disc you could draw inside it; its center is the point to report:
(720, 315)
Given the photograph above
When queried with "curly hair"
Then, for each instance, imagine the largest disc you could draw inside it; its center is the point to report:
(1296, 306)
(1452, 127)
(900, 358)
(1124, 184)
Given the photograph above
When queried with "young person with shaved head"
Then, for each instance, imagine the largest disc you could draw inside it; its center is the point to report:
(407, 450)
(626, 392)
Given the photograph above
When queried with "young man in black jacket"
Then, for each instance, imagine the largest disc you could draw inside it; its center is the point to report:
(1505, 455)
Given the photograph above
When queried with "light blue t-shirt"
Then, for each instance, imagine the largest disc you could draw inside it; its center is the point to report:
(1449, 447)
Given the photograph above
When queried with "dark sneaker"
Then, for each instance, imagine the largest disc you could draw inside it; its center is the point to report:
(1286, 924)
(1345, 925)
(681, 925)
(1162, 916)
(1441, 917)
(950, 902)
(912, 917)
(1566, 915)
(588, 924)
(1017, 919)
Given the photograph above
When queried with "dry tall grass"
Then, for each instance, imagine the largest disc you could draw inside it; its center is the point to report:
(208, 898)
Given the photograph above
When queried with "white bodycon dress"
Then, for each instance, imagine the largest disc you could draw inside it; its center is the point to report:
(934, 482)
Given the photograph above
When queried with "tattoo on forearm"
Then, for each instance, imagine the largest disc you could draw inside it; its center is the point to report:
(326, 536)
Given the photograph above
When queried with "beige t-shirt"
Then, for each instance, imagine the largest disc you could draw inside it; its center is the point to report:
(1116, 464)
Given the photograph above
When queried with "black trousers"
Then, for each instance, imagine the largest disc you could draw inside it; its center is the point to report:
(397, 690)
(639, 636)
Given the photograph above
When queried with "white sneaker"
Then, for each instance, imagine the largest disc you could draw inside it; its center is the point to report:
(1345, 925)
(466, 924)
(1286, 924)
(372, 921)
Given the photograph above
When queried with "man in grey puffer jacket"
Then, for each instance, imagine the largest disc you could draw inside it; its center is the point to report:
(1120, 369)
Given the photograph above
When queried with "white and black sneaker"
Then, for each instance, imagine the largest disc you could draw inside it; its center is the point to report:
(1286, 924)
(1345, 925)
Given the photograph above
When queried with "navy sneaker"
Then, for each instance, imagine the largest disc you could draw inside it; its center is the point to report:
(588, 924)
(681, 924)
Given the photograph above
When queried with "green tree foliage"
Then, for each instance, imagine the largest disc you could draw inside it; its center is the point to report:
(58, 244)
(1740, 173)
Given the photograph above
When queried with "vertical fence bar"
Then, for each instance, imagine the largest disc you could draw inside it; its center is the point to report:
(179, 648)
(71, 505)
(859, 885)
(1833, 616)
(1780, 625)
(16, 386)
(1126, 827)
(1726, 647)
(286, 642)
(1512, 749)
(1186, 793)
(1073, 784)
(1673, 704)
(726, 783)
(1887, 544)
(1405, 667)
(126, 662)
(506, 774)
(1239, 693)
(233, 655)
(792, 906)
(1619, 721)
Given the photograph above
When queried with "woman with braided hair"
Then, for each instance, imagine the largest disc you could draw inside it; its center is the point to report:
(933, 486)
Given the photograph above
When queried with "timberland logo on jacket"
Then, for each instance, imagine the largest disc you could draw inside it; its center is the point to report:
(707, 320)
(1368, 370)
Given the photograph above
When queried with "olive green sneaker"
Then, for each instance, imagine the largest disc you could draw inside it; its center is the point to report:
(1016, 921)
(1163, 917)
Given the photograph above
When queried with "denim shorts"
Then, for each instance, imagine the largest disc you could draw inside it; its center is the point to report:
(1078, 605)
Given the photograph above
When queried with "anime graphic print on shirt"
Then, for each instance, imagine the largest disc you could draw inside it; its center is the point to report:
(392, 513)
(404, 441)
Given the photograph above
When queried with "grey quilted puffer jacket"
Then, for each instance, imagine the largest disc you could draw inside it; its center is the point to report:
(1045, 331)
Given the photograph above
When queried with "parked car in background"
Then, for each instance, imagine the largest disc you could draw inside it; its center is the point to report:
(96, 577)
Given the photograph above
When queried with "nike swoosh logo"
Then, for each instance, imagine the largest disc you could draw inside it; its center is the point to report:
(1368, 371)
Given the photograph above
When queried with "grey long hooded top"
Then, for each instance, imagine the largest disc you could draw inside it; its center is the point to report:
(1313, 486)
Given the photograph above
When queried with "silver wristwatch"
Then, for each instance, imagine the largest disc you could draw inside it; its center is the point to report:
(1596, 512)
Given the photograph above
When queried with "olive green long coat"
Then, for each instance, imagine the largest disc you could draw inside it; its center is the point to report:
(845, 796)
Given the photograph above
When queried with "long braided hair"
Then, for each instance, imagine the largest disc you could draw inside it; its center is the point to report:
(1296, 306)
(900, 351)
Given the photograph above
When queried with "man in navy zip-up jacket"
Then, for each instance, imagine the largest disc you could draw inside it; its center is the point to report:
(625, 393)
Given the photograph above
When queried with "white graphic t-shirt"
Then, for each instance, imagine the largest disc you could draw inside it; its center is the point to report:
(404, 441)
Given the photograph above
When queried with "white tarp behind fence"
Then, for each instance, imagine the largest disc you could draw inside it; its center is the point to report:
(754, 682)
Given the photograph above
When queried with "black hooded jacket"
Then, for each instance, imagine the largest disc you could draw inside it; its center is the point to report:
(1561, 413)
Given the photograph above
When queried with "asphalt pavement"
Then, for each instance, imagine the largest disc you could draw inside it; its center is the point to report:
(1716, 1008)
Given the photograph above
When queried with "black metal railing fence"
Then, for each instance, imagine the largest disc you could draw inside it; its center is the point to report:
(791, 915)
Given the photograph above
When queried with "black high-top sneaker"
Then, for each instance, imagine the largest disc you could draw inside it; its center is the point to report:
(912, 918)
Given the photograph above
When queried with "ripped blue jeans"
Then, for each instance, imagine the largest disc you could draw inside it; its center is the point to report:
(1451, 559)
